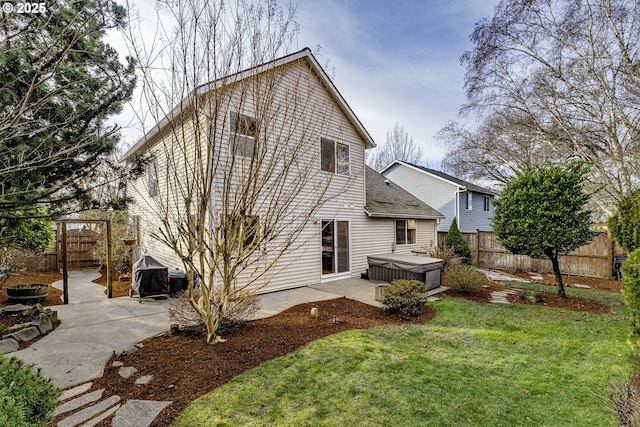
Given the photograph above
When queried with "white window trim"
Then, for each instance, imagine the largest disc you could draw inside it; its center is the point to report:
(335, 156)
(469, 204)
(406, 231)
(342, 275)
(487, 204)
(239, 136)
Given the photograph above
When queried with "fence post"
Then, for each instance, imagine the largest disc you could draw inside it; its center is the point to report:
(65, 265)
(477, 247)
(109, 283)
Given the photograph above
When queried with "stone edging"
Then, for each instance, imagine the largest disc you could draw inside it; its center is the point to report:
(41, 324)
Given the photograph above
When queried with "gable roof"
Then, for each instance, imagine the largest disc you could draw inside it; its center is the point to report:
(304, 54)
(462, 184)
(386, 199)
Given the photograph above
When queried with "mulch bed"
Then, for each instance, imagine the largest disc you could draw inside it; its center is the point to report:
(549, 295)
(594, 283)
(185, 367)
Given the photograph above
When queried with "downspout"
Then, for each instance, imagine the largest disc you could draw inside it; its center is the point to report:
(457, 196)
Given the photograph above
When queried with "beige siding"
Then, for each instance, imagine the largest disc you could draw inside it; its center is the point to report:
(375, 236)
(316, 115)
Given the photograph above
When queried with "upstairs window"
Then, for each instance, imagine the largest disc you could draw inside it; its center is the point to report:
(405, 231)
(469, 201)
(243, 134)
(487, 203)
(334, 157)
(152, 179)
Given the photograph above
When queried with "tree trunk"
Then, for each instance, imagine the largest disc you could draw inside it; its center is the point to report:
(555, 262)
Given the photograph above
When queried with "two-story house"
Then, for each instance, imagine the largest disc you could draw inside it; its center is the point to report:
(284, 155)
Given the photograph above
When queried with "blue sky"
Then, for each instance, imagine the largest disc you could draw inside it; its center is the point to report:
(392, 60)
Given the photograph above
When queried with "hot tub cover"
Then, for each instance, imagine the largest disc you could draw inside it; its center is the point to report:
(413, 263)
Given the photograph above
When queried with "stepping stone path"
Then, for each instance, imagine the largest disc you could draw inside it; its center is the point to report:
(88, 409)
(576, 285)
(500, 297)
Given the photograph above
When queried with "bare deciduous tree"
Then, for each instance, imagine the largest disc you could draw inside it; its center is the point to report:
(554, 80)
(398, 146)
(236, 177)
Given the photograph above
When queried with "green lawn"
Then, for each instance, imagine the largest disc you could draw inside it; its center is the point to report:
(474, 364)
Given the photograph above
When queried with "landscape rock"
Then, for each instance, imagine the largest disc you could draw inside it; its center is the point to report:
(117, 364)
(127, 371)
(79, 402)
(138, 413)
(8, 345)
(33, 311)
(17, 327)
(89, 412)
(144, 380)
(75, 391)
(26, 334)
(43, 323)
(16, 308)
(128, 351)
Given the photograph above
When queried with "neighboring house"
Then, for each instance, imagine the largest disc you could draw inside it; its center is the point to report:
(471, 204)
(362, 216)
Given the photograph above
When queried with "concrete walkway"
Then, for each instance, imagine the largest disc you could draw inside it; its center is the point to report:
(93, 328)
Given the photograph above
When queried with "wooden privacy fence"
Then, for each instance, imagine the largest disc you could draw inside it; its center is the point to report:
(594, 259)
(80, 246)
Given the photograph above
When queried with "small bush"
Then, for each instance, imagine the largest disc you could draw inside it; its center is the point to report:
(533, 297)
(627, 402)
(463, 278)
(243, 307)
(26, 397)
(405, 297)
(456, 242)
(446, 254)
(631, 294)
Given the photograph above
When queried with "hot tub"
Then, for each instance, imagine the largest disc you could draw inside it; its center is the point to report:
(390, 267)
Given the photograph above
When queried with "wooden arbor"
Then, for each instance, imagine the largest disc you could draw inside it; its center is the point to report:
(65, 260)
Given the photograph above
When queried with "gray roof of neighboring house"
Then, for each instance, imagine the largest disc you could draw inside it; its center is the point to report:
(460, 182)
(387, 200)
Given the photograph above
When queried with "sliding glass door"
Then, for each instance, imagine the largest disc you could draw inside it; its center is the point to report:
(335, 247)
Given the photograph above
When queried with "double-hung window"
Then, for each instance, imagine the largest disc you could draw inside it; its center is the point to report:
(406, 231)
(469, 201)
(487, 203)
(243, 134)
(334, 156)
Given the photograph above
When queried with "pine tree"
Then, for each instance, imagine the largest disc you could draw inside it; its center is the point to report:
(60, 85)
(456, 242)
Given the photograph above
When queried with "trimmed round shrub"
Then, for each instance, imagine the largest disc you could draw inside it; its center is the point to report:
(456, 242)
(463, 278)
(405, 297)
(26, 397)
(631, 294)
